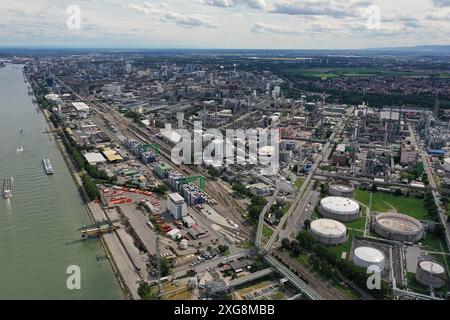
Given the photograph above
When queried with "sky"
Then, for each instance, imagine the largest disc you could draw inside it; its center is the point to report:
(224, 24)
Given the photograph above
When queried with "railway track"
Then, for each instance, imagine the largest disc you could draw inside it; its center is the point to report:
(218, 192)
(323, 288)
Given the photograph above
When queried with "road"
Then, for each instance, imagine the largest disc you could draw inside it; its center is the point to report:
(436, 195)
(295, 222)
(302, 196)
(263, 214)
(367, 180)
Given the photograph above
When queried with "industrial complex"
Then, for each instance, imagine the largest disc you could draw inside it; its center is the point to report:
(210, 179)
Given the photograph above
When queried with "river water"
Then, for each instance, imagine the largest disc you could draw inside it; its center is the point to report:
(38, 237)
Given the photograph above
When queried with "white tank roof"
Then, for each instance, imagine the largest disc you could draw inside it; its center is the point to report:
(397, 222)
(339, 205)
(369, 255)
(328, 227)
(341, 187)
(432, 267)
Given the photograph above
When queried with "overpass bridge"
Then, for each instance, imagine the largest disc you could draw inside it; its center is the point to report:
(251, 277)
(298, 283)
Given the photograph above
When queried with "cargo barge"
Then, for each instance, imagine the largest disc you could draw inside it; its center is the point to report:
(7, 187)
(48, 166)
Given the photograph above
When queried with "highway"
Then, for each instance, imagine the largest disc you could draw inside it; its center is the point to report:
(263, 214)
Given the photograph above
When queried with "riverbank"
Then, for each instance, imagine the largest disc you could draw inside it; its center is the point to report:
(38, 236)
(78, 182)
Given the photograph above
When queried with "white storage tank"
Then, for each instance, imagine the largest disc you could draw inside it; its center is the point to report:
(339, 208)
(431, 274)
(341, 189)
(398, 227)
(328, 231)
(368, 256)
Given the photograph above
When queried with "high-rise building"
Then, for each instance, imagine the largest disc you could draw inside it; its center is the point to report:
(176, 205)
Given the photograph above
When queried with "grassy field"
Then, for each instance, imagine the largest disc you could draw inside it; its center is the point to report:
(384, 202)
(346, 246)
(267, 232)
(349, 292)
(360, 223)
(299, 182)
(333, 72)
(432, 243)
(418, 287)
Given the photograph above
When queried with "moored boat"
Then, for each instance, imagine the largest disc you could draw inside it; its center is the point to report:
(7, 187)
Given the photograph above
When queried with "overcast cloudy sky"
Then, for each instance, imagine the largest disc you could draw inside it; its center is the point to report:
(289, 24)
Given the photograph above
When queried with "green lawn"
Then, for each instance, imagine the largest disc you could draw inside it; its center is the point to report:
(418, 287)
(431, 243)
(346, 246)
(384, 202)
(333, 72)
(267, 231)
(298, 183)
(352, 294)
(360, 223)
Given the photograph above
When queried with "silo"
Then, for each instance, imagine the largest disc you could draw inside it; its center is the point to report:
(431, 274)
(329, 232)
(339, 208)
(368, 256)
(398, 227)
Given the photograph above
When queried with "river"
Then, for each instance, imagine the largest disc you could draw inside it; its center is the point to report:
(38, 237)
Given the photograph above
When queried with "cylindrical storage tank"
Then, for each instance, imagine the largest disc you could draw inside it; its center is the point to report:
(398, 227)
(329, 232)
(339, 208)
(368, 256)
(430, 274)
(447, 164)
(341, 189)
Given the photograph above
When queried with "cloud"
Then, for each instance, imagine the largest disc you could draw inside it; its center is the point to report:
(441, 3)
(438, 17)
(265, 28)
(253, 4)
(332, 8)
(159, 11)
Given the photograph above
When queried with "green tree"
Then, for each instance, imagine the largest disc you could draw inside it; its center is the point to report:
(164, 267)
(145, 292)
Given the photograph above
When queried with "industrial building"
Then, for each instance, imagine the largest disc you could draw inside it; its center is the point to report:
(94, 158)
(260, 189)
(328, 232)
(398, 227)
(176, 205)
(339, 208)
(193, 194)
(162, 170)
(112, 155)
